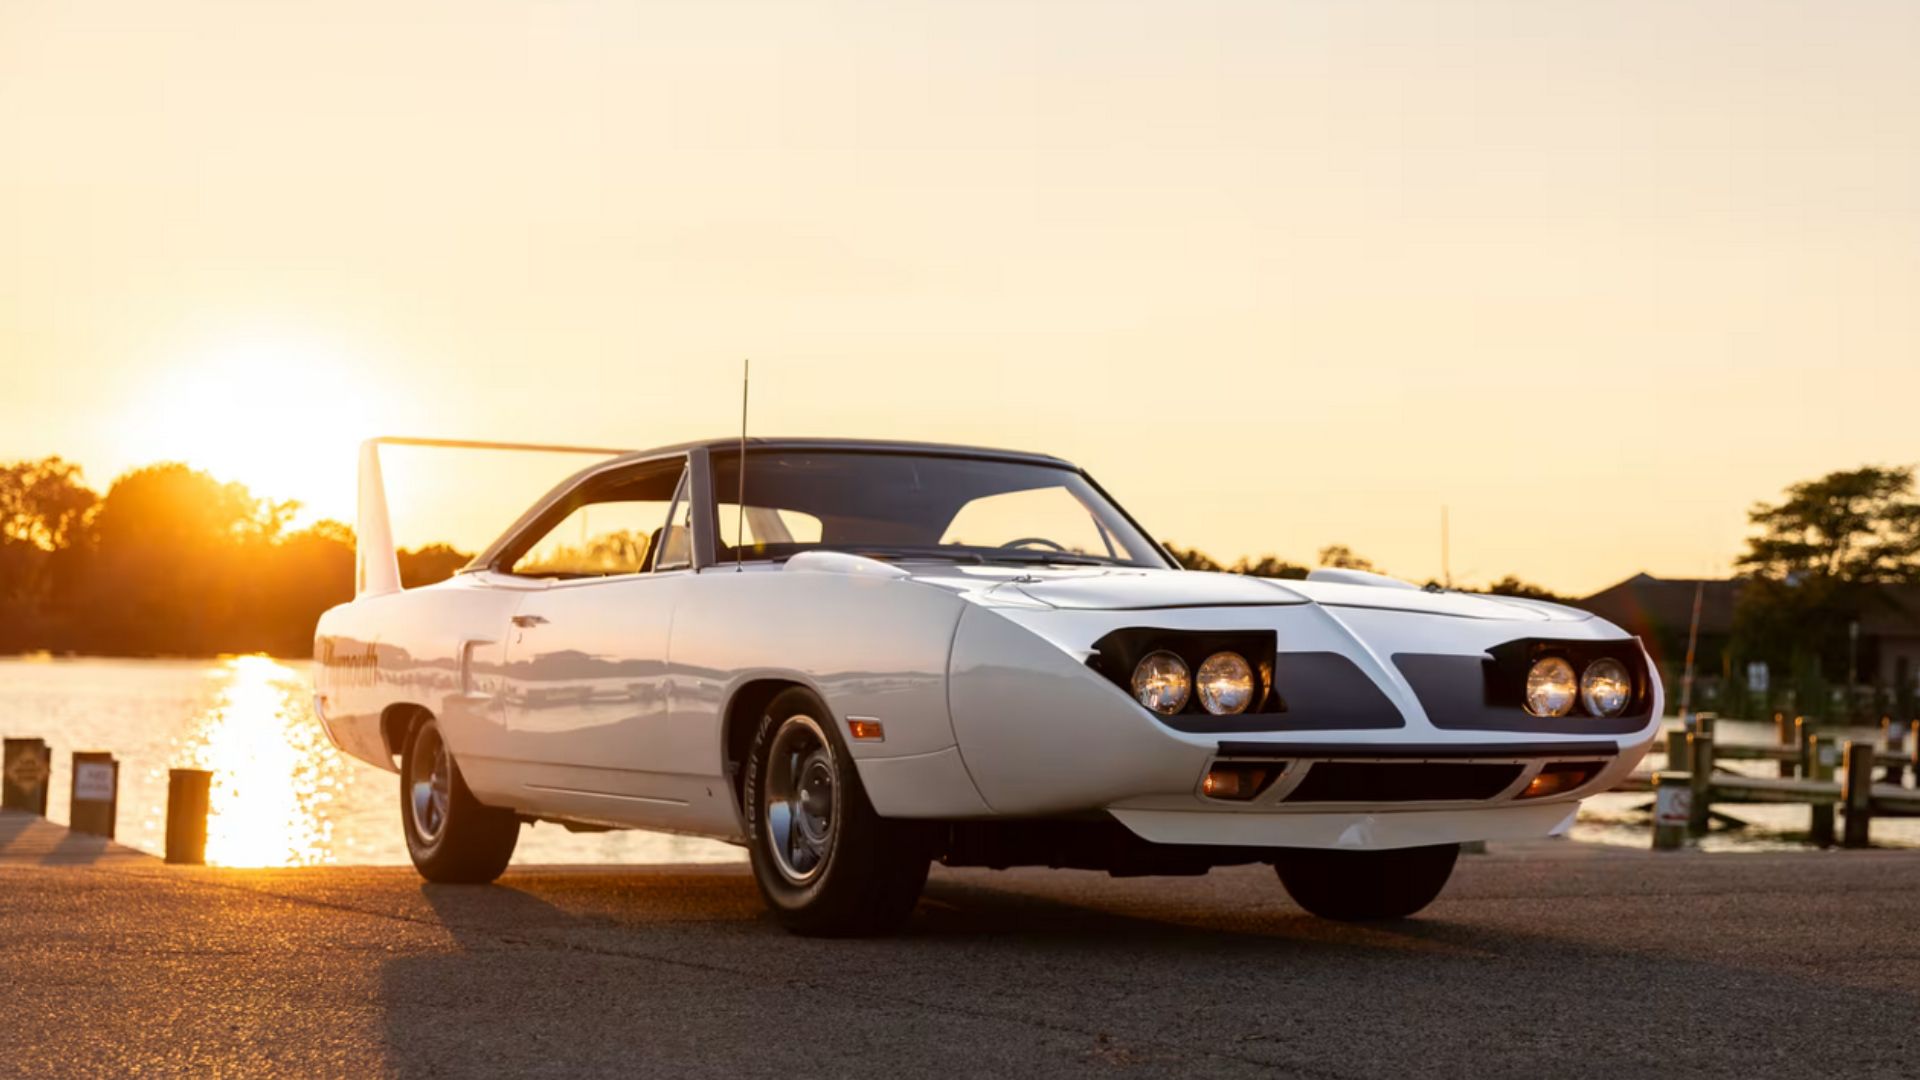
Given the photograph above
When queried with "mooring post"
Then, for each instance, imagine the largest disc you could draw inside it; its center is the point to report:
(1856, 793)
(1819, 766)
(1672, 795)
(1676, 751)
(189, 793)
(1802, 731)
(1892, 736)
(1913, 750)
(25, 766)
(1700, 777)
(94, 798)
(1785, 734)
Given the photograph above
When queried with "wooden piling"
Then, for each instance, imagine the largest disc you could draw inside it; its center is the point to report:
(1893, 736)
(25, 767)
(1801, 732)
(1672, 798)
(189, 794)
(1784, 734)
(1856, 794)
(1700, 777)
(94, 796)
(1676, 752)
(1817, 764)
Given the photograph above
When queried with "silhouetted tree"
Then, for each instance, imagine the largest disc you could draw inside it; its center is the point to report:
(44, 513)
(1341, 557)
(1812, 565)
(1513, 586)
(1191, 558)
(426, 565)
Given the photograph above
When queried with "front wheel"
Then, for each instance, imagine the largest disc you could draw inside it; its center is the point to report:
(825, 862)
(1366, 886)
(450, 836)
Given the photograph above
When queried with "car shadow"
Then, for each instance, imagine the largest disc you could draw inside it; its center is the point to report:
(682, 974)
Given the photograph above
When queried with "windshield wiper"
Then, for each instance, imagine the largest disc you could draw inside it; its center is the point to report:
(1045, 558)
(946, 554)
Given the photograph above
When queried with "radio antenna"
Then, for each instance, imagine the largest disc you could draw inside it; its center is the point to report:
(740, 521)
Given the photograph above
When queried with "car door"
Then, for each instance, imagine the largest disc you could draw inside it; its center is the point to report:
(587, 686)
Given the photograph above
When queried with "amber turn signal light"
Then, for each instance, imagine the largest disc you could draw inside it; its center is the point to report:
(1237, 783)
(1560, 778)
(866, 729)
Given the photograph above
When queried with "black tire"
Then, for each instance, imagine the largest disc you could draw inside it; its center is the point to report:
(1366, 886)
(844, 872)
(451, 837)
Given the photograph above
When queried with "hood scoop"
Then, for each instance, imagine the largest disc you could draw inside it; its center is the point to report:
(1360, 577)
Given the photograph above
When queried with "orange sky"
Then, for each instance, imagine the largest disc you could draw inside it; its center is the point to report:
(1595, 275)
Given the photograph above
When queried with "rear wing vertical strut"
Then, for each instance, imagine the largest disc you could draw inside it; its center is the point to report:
(376, 570)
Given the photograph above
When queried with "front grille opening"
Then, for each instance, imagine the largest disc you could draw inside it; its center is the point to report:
(1374, 782)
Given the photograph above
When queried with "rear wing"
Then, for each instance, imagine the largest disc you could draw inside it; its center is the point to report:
(376, 569)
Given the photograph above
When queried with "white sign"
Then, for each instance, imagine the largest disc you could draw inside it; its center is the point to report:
(1759, 677)
(93, 781)
(1672, 806)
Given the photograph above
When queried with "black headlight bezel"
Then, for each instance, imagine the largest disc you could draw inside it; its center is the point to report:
(1508, 664)
(1117, 654)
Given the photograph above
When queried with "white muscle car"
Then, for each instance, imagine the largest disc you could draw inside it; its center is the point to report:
(861, 657)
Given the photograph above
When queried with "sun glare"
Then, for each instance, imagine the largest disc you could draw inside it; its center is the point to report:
(278, 414)
(274, 776)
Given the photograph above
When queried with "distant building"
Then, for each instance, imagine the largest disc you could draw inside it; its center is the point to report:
(1659, 611)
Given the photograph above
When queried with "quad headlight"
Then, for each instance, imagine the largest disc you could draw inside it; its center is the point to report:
(1226, 684)
(1606, 688)
(1162, 682)
(1551, 688)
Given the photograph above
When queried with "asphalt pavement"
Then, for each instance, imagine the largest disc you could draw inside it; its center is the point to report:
(1550, 960)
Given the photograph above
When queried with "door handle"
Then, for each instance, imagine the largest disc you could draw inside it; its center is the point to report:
(529, 620)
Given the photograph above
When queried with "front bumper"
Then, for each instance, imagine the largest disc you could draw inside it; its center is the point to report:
(1041, 734)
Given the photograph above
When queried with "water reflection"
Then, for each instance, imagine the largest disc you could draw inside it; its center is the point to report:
(275, 777)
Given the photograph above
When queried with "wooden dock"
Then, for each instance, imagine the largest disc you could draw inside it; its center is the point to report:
(1816, 769)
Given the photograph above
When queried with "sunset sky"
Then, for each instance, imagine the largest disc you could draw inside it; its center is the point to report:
(1596, 276)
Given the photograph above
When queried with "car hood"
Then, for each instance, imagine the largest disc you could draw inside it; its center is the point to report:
(1126, 589)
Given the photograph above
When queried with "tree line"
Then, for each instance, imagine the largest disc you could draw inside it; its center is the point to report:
(1831, 555)
(169, 562)
(1338, 557)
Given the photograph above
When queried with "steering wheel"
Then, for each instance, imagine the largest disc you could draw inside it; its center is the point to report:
(1030, 541)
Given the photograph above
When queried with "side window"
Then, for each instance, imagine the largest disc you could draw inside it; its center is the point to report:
(612, 529)
(675, 550)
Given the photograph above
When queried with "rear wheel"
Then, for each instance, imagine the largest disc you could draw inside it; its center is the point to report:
(825, 862)
(1365, 886)
(451, 837)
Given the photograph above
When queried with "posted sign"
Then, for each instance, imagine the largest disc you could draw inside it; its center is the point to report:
(23, 775)
(1672, 806)
(96, 793)
(93, 781)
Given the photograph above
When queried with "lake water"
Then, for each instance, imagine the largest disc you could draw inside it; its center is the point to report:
(283, 796)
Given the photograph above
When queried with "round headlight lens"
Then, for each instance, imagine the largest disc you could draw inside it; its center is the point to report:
(1162, 683)
(1606, 688)
(1551, 687)
(1226, 684)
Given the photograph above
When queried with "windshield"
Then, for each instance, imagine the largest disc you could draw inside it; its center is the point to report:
(892, 505)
